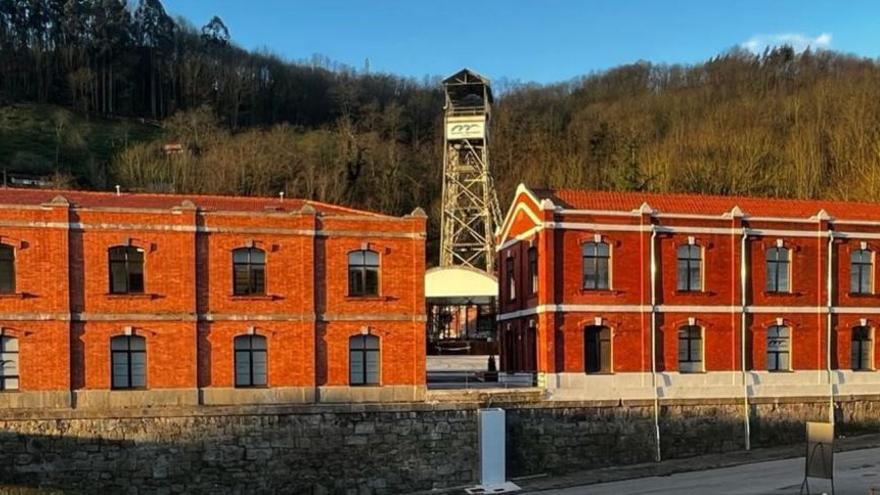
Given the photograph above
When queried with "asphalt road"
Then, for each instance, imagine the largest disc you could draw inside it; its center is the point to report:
(856, 472)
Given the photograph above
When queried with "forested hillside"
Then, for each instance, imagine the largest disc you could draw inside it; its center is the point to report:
(776, 124)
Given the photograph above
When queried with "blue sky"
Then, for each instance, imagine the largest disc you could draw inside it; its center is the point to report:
(543, 41)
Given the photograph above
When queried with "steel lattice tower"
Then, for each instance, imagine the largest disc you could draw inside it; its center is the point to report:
(470, 205)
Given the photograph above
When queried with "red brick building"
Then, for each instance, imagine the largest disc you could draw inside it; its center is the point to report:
(147, 299)
(627, 295)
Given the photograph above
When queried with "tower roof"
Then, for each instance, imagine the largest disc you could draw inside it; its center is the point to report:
(468, 77)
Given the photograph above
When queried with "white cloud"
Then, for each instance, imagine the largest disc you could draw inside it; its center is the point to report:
(798, 41)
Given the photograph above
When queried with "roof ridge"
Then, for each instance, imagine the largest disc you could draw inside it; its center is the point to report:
(641, 194)
(195, 197)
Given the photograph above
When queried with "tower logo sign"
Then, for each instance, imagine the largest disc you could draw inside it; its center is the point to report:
(466, 130)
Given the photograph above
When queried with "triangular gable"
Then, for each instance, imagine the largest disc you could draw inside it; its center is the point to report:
(522, 215)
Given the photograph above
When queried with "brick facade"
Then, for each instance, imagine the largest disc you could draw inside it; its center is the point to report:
(63, 313)
(733, 236)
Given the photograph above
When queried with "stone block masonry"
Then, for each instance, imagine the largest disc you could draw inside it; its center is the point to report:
(372, 449)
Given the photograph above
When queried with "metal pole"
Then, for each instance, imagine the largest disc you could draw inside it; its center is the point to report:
(657, 456)
(743, 275)
(829, 321)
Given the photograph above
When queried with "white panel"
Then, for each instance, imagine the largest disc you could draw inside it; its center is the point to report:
(492, 430)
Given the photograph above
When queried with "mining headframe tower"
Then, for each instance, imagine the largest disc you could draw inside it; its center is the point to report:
(461, 292)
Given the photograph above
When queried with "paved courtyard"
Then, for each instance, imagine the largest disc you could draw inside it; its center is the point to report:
(856, 472)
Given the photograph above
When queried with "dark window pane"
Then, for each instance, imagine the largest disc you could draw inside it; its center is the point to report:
(696, 349)
(117, 254)
(371, 286)
(371, 258)
(372, 367)
(771, 276)
(260, 367)
(596, 273)
(119, 343)
(602, 282)
(136, 283)
(138, 369)
(118, 278)
(356, 258)
(356, 367)
(137, 343)
(7, 276)
(363, 273)
(694, 276)
(258, 280)
(682, 275)
(240, 256)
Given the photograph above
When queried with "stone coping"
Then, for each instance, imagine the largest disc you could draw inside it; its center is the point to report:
(397, 407)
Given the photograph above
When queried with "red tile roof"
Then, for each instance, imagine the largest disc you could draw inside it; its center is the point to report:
(710, 205)
(92, 199)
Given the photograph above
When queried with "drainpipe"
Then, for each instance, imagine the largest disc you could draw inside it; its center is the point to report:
(829, 289)
(743, 275)
(654, 344)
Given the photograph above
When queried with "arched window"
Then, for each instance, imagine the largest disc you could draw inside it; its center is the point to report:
(251, 361)
(862, 348)
(594, 257)
(126, 270)
(778, 272)
(7, 269)
(778, 348)
(128, 361)
(8, 363)
(690, 349)
(363, 273)
(248, 271)
(597, 349)
(363, 360)
(861, 271)
(690, 268)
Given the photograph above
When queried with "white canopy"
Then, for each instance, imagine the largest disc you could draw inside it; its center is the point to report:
(460, 283)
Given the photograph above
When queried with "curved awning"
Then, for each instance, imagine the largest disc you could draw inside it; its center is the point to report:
(460, 285)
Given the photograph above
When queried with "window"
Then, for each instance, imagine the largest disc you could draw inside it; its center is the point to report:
(533, 270)
(690, 349)
(250, 361)
(862, 349)
(778, 270)
(248, 271)
(363, 360)
(128, 360)
(778, 348)
(126, 270)
(8, 363)
(690, 268)
(861, 267)
(597, 349)
(511, 278)
(7, 269)
(595, 257)
(363, 273)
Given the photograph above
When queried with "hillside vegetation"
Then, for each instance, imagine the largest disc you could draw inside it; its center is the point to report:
(785, 124)
(51, 141)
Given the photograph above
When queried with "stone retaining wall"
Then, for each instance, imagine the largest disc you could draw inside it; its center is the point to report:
(373, 449)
